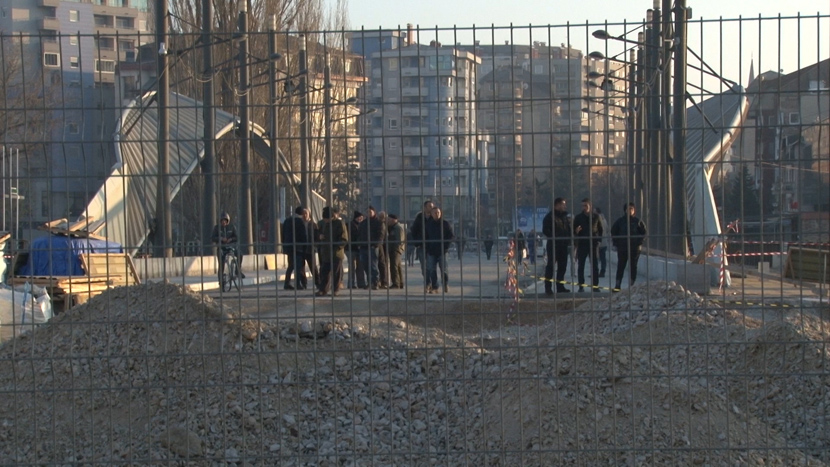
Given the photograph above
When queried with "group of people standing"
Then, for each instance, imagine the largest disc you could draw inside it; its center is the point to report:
(586, 232)
(373, 245)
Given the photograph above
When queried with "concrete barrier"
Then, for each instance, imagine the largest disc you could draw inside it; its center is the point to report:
(699, 278)
(148, 268)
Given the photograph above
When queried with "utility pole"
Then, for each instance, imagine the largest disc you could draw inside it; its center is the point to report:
(677, 240)
(163, 238)
(273, 94)
(305, 175)
(209, 161)
(327, 135)
(247, 240)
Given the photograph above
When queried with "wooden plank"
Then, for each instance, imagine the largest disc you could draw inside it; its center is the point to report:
(807, 264)
(80, 225)
(118, 267)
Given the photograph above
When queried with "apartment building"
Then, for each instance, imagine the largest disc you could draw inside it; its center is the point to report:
(74, 47)
(423, 141)
(545, 117)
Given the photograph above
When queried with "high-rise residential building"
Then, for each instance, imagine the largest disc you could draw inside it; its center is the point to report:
(423, 142)
(73, 47)
(545, 116)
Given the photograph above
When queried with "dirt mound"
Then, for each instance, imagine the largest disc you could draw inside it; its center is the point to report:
(154, 374)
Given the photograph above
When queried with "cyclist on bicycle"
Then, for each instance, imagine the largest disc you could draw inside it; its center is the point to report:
(224, 234)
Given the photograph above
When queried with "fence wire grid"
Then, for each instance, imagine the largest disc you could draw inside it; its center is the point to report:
(612, 280)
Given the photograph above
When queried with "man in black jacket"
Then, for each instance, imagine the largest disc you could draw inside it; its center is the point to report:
(295, 239)
(417, 233)
(588, 234)
(439, 237)
(628, 234)
(371, 237)
(357, 278)
(557, 229)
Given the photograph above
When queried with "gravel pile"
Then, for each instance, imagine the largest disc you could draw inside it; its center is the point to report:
(156, 375)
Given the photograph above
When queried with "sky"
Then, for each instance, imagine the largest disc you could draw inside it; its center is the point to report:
(728, 46)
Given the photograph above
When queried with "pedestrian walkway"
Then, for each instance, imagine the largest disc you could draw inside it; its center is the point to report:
(475, 277)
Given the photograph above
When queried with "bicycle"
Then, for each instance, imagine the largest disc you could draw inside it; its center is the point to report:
(230, 275)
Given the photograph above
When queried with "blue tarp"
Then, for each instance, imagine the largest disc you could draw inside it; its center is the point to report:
(58, 255)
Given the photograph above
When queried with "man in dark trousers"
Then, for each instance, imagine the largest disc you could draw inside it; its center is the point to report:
(488, 245)
(439, 237)
(333, 235)
(588, 234)
(357, 278)
(294, 239)
(556, 227)
(396, 244)
(311, 248)
(417, 234)
(370, 238)
(627, 234)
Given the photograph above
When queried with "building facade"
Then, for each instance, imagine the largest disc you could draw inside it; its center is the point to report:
(74, 47)
(423, 141)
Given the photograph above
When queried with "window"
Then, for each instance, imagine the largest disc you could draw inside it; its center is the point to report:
(73, 16)
(142, 25)
(51, 59)
(393, 183)
(393, 123)
(73, 40)
(73, 128)
(794, 118)
(73, 62)
(538, 69)
(122, 22)
(393, 64)
(105, 66)
(392, 144)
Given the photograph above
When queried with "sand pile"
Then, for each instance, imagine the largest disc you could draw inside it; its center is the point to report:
(153, 374)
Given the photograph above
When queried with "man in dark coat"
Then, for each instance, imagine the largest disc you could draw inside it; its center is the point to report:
(371, 237)
(587, 235)
(311, 248)
(417, 233)
(628, 234)
(396, 245)
(439, 237)
(333, 235)
(357, 277)
(488, 245)
(556, 227)
(295, 240)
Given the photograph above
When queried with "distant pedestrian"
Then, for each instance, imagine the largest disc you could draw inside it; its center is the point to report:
(587, 235)
(333, 236)
(531, 246)
(311, 248)
(295, 239)
(439, 237)
(556, 227)
(357, 276)
(417, 234)
(370, 236)
(628, 234)
(488, 245)
(396, 244)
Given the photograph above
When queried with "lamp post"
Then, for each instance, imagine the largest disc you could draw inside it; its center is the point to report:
(305, 176)
(273, 93)
(247, 239)
(164, 228)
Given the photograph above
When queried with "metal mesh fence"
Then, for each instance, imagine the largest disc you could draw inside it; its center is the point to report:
(458, 246)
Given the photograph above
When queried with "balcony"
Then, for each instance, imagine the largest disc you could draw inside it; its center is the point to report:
(414, 91)
(414, 111)
(50, 23)
(49, 3)
(415, 151)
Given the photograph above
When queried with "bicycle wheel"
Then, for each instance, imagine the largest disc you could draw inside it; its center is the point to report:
(226, 277)
(233, 275)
